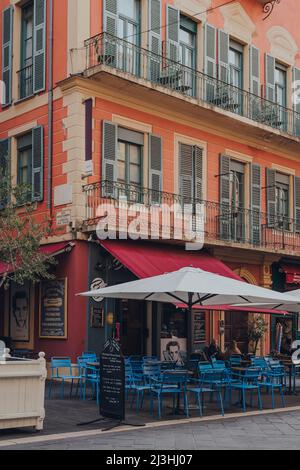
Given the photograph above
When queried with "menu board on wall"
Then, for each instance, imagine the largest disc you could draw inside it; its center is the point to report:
(112, 384)
(199, 331)
(53, 309)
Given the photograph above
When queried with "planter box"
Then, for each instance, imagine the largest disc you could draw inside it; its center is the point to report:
(22, 393)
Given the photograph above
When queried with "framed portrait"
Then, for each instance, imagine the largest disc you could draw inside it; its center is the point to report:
(53, 309)
(19, 320)
(97, 317)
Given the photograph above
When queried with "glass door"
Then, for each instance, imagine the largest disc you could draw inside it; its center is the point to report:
(129, 30)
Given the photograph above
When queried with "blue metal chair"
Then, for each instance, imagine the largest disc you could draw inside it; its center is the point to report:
(249, 382)
(169, 384)
(58, 363)
(274, 380)
(92, 377)
(260, 363)
(235, 360)
(201, 386)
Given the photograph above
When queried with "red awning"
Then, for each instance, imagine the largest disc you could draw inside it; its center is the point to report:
(146, 260)
(292, 273)
(54, 249)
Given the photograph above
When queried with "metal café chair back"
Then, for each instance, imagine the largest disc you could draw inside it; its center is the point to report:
(260, 363)
(235, 360)
(92, 356)
(57, 365)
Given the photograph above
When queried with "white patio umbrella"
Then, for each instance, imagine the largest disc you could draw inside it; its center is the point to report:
(192, 287)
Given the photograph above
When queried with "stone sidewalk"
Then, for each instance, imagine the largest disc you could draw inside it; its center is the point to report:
(263, 432)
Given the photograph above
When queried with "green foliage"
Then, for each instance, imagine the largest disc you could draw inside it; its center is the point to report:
(257, 330)
(21, 234)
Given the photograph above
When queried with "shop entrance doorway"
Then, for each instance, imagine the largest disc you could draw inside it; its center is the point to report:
(132, 316)
(236, 329)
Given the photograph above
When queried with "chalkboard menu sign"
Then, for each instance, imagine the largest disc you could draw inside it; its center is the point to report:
(199, 331)
(53, 309)
(112, 388)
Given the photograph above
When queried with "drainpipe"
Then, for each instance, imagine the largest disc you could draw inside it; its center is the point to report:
(50, 108)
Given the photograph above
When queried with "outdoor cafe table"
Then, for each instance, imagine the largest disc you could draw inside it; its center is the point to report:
(292, 368)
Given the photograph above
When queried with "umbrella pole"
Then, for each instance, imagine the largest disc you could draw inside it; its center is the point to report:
(189, 326)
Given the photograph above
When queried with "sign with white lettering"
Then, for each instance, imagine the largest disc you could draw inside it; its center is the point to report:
(53, 309)
(112, 387)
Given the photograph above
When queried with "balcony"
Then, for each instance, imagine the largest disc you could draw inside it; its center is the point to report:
(220, 225)
(25, 82)
(110, 52)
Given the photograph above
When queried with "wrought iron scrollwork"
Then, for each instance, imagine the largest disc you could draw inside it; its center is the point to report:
(269, 7)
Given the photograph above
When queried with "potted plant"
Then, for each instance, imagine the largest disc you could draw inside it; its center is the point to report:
(257, 330)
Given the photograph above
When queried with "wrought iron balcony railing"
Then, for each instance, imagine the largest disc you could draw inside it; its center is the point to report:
(220, 223)
(105, 49)
(25, 81)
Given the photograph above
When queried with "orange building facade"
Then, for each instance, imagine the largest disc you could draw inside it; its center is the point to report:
(152, 102)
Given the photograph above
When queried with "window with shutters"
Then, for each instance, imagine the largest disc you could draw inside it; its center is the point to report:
(129, 164)
(281, 94)
(26, 71)
(237, 200)
(187, 54)
(24, 163)
(128, 28)
(282, 194)
(236, 65)
(190, 173)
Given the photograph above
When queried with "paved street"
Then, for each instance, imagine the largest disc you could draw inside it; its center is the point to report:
(270, 432)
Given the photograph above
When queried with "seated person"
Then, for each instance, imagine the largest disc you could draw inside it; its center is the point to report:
(213, 351)
(232, 350)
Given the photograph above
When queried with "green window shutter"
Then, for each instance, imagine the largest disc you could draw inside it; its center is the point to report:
(156, 168)
(297, 204)
(270, 77)
(173, 25)
(109, 160)
(296, 78)
(186, 153)
(7, 46)
(38, 163)
(225, 216)
(271, 197)
(4, 167)
(223, 56)
(198, 155)
(254, 70)
(155, 39)
(110, 26)
(210, 61)
(39, 45)
(255, 198)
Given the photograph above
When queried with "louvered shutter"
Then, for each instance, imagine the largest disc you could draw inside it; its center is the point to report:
(270, 77)
(4, 168)
(198, 155)
(156, 170)
(271, 196)
(110, 26)
(7, 45)
(155, 39)
(109, 160)
(38, 163)
(39, 46)
(255, 197)
(225, 216)
(297, 203)
(173, 26)
(210, 61)
(223, 56)
(186, 173)
(255, 82)
(296, 78)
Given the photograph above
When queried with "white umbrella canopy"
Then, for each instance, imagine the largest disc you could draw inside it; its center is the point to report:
(293, 307)
(192, 286)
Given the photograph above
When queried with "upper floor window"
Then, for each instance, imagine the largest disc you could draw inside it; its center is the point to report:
(237, 185)
(282, 189)
(236, 64)
(24, 163)
(26, 71)
(280, 85)
(130, 152)
(187, 42)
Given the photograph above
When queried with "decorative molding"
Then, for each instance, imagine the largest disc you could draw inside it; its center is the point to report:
(283, 45)
(237, 22)
(246, 275)
(194, 8)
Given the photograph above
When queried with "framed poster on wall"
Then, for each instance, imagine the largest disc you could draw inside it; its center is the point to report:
(53, 309)
(19, 319)
(97, 317)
